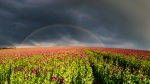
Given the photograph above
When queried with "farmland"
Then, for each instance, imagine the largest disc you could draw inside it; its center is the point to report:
(74, 65)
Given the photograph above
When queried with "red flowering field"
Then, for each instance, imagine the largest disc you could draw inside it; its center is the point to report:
(141, 54)
(74, 65)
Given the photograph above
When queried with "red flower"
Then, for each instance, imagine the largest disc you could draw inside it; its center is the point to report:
(62, 80)
(48, 70)
(35, 72)
(28, 78)
(54, 78)
(19, 69)
(39, 67)
(31, 71)
(25, 72)
(111, 71)
(133, 69)
(59, 66)
(13, 69)
(142, 77)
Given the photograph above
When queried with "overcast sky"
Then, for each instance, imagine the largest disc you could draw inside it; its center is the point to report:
(101, 23)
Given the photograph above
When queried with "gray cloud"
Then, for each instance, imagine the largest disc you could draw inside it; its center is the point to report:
(138, 12)
(115, 23)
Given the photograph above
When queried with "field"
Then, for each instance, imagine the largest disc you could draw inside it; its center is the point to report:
(74, 65)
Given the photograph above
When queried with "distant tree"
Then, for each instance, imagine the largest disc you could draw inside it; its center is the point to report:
(12, 47)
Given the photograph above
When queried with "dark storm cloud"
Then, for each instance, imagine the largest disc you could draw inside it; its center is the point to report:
(115, 23)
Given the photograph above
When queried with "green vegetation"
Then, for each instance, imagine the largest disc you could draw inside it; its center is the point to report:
(73, 67)
(47, 69)
(116, 69)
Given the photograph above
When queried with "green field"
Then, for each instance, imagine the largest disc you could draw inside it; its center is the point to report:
(72, 66)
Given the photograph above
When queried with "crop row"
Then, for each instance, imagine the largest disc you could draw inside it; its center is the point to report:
(117, 69)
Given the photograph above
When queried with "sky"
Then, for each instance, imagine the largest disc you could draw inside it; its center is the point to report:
(98, 23)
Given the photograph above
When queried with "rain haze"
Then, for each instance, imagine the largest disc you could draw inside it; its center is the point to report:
(100, 23)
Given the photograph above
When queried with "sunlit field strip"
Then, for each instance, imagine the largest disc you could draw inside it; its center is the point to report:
(52, 66)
